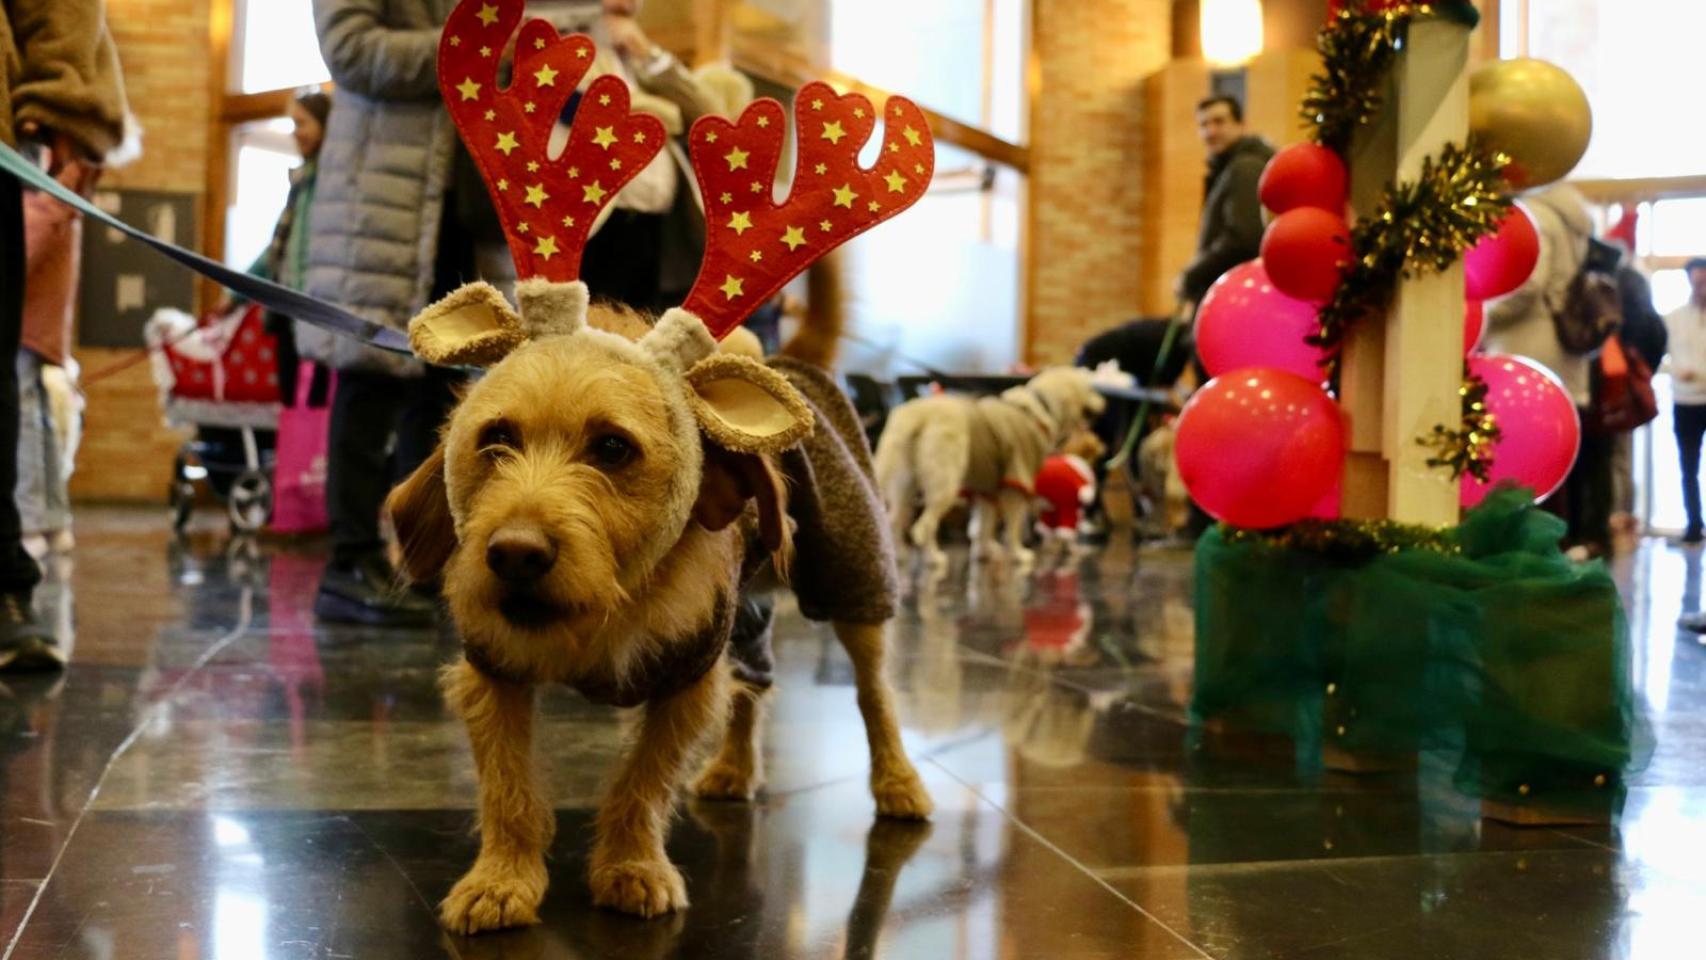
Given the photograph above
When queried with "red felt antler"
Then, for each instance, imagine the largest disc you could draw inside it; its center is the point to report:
(754, 245)
(547, 205)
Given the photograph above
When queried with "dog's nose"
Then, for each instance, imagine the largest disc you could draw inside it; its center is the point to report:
(520, 554)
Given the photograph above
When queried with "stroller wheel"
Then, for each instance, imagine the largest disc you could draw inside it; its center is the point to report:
(250, 501)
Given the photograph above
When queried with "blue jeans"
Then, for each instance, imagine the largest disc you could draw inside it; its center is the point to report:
(1690, 429)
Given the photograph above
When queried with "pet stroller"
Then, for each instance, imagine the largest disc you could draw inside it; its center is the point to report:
(219, 377)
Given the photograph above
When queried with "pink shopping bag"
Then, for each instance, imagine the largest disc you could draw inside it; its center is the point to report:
(299, 476)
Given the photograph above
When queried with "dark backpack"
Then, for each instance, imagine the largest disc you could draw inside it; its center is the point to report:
(1591, 312)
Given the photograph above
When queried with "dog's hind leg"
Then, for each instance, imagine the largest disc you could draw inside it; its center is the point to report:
(629, 870)
(737, 771)
(894, 783)
(507, 881)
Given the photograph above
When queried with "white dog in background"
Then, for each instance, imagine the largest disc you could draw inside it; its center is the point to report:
(935, 448)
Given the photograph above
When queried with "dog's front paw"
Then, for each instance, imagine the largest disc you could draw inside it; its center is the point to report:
(900, 795)
(725, 781)
(645, 888)
(1024, 558)
(493, 897)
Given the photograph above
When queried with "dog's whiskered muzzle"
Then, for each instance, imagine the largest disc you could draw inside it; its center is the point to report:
(520, 554)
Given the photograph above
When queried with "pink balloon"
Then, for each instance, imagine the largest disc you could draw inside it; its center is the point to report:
(1260, 448)
(1502, 262)
(1474, 324)
(1246, 322)
(1540, 428)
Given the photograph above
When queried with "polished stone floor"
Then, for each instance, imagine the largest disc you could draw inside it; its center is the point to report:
(217, 777)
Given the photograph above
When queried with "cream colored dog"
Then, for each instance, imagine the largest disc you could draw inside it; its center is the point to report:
(936, 448)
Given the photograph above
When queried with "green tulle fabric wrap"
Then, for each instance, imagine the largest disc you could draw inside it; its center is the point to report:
(1493, 646)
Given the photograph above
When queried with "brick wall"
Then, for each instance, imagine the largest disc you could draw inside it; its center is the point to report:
(163, 45)
(1087, 183)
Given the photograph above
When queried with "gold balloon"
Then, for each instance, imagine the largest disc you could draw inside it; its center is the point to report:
(1536, 113)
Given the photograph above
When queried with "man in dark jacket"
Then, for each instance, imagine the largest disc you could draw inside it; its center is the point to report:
(1231, 231)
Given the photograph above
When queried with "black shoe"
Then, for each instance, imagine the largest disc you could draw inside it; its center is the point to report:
(1692, 537)
(25, 642)
(370, 593)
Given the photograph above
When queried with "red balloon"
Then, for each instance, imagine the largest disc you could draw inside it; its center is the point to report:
(1306, 252)
(1540, 431)
(1305, 175)
(1474, 324)
(1260, 448)
(1245, 322)
(1503, 261)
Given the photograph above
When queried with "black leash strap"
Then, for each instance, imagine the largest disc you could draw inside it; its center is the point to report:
(272, 296)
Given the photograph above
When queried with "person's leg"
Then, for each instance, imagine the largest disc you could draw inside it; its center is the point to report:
(24, 642)
(359, 585)
(1690, 427)
(365, 411)
(430, 400)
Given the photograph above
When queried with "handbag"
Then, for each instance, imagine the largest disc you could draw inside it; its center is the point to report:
(299, 474)
(1623, 397)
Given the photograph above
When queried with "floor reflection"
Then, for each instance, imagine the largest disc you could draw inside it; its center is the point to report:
(219, 777)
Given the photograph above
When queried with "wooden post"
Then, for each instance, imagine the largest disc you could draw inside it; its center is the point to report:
(1401, 377)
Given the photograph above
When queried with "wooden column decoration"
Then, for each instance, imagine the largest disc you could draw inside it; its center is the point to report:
(1401, 377)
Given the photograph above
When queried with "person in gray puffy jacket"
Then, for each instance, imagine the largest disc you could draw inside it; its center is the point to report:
(400, 218)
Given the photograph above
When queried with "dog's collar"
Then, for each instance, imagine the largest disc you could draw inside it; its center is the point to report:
(679, 664)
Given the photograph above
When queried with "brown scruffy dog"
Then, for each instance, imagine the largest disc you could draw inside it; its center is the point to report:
(596, 506)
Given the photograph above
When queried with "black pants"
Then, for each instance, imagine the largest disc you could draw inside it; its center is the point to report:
(369, 412)
(1588, 493)
(1690, 428)
(18, 572)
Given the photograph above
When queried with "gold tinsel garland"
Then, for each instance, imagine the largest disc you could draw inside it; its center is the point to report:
(1421, 227)
(1357, 49)
(1467, 449)
(1349, 540)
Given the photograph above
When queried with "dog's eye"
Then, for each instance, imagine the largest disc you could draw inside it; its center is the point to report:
(499, 437)
(612, 450)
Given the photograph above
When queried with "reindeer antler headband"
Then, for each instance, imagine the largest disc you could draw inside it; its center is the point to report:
(754, 245)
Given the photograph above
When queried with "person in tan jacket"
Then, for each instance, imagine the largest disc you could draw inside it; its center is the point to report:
(62, 97)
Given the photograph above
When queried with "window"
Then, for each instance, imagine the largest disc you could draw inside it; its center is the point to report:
(275, 46)
(263, 156)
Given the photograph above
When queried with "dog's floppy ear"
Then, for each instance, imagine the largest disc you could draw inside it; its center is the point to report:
(420, 512)
(472, 327)
(745, 407)
(730, 480)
